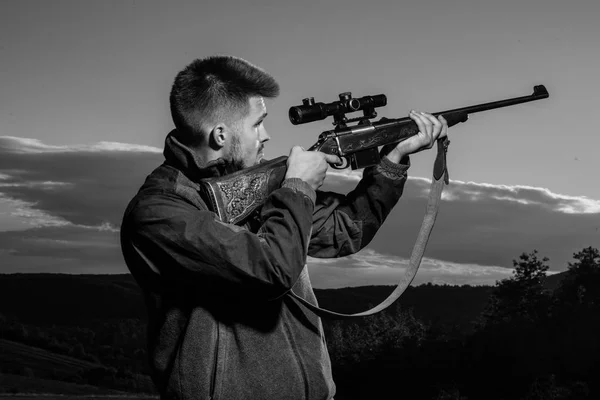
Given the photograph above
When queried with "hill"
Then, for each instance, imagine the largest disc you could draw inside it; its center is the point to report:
(436, 305)
(74, 334)
(31, 369)
(14, 356)
(66, 299)
(12, 384)
(72, 299)
(552, 281)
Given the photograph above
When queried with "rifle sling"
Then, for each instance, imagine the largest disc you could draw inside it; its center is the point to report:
(440, 176)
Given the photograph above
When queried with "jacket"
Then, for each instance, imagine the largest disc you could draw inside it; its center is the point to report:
(220, 322)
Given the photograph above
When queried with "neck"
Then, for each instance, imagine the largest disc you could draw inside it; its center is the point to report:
(208, 154)
(198, 161)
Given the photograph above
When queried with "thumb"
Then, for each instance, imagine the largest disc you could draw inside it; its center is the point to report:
(296, 149)
(332, 159)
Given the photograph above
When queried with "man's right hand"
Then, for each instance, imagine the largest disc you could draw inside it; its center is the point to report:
(310, 166)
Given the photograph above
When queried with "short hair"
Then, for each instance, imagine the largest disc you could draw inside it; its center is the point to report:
(216, 89)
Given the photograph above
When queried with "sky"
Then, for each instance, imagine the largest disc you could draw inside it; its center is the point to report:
(84, 111)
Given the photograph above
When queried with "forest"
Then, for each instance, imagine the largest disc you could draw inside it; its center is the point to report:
(531, 336)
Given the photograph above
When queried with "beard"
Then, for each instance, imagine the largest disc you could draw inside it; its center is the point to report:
(236, 154)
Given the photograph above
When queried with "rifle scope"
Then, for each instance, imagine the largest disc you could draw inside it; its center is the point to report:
(310, 111)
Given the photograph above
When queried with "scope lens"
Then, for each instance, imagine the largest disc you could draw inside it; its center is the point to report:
(295, 116)
(303, 114)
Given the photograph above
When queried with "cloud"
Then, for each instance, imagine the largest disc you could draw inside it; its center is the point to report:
(65, 248)
(343, 175)
(486, 224)
(369, 267)
(18, 215)
(68, 201)
(527, 195)
(22, 145)
(82, 184)
(481, 192)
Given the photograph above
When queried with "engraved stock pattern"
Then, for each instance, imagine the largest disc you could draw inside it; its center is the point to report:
(368, 142)
(243, 194)
(381, 137)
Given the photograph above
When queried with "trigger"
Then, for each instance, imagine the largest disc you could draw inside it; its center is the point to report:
(343, 165)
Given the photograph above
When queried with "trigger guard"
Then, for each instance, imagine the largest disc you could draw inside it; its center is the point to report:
(345, 163)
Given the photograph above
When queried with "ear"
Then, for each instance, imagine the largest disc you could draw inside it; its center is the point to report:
(218, 135)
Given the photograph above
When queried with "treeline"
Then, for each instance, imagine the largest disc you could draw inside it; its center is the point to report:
(526, 342)
(529, 343)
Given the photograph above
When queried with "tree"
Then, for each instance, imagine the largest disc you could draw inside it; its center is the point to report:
(521, 296)
(576, 316)
(581, 284)
(351, 342)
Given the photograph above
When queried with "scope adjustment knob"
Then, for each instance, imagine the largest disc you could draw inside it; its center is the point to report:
(354, 104)
(309, 101)
(345, 96)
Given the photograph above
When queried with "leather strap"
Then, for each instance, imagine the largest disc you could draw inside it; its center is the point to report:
(440, 176)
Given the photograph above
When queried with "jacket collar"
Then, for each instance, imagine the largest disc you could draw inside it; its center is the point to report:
(185, 159)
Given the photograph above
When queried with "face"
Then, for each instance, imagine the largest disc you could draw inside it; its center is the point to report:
(248, 140)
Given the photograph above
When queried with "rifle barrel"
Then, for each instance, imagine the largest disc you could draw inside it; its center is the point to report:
(539, 92)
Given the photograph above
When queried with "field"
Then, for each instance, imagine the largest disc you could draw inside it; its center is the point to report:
(14, 386)
(13, 355)
(72, 397)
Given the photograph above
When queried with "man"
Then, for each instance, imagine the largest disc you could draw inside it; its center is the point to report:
(222, 324)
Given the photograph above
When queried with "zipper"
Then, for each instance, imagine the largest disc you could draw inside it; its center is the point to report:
(213, 379)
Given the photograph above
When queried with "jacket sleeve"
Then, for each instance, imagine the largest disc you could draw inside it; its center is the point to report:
(344, 224)
(184, 243)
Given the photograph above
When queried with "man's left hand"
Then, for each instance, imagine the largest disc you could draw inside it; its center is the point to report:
(430, 129)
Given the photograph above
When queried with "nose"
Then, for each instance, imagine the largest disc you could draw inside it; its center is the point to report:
(264, 136)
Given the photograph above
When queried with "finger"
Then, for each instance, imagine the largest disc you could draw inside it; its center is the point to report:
(428, 131)
(436, 125)
(419, 121)
(444, 123)
(428, 116)
(429, 121)
(332, 159)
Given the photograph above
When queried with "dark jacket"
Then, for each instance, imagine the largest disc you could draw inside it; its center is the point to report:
(221, 325)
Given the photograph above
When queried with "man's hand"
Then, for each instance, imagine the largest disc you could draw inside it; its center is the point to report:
(310, 166)
(430, 129)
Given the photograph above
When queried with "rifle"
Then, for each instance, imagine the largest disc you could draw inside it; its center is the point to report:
(358, 144)
(234, 197)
